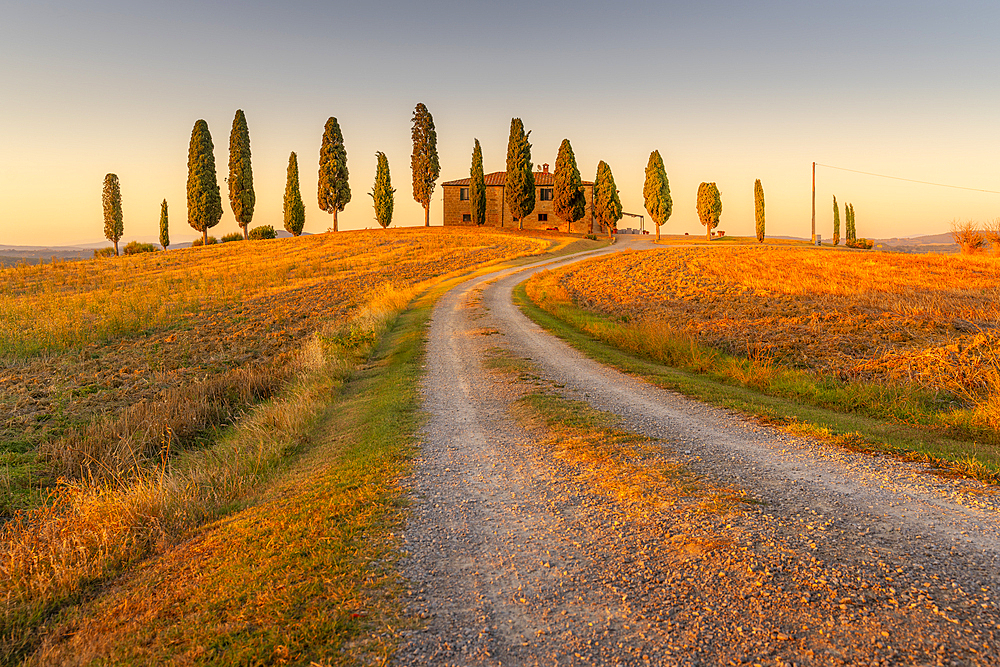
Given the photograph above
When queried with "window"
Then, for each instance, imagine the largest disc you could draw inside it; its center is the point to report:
(463, 194)
(543, 217)
(545, 194)
(466, 217)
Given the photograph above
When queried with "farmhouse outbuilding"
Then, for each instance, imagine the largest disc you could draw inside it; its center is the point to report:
(458, 211)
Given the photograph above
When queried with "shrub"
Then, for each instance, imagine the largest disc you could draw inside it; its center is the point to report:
(211, 241)
(860, 244)
(134, 248)
(105, 252)
(968, 236)
(235, 236)
(592, 237)
(263, 232)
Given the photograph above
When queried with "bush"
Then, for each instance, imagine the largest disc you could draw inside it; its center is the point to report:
(263, 232)
(592, 237)
(197, 242)
(235, 236)
(860, 244)
(105, 252)
(134, 248)
(968, 236)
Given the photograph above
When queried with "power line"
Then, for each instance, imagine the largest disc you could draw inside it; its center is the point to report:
(910, 180)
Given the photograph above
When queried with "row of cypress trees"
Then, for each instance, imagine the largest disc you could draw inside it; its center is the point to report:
(851, 232)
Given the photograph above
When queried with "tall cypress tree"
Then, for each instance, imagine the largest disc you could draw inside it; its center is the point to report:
(709, 207)
(836, 222)
(424, 160)
(204, 200)
(519, 189)
(241, 195)
(164, 226)
(334, 189)
(568, 199)
(607, 205)
(382, 192)
(477, 187)
(114, 225)
(758, 208)
(852, 230)
(294, 209)
(656, 191)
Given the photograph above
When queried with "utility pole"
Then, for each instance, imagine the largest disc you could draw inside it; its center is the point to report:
(814, 206)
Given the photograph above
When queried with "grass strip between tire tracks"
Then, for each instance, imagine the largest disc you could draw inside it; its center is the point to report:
(860, 433)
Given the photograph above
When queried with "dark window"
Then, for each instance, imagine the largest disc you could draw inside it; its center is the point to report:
(543, 217)
(545, 194)
(463, 194)
(466, 217)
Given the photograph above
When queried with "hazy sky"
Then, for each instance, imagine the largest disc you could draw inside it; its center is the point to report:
(727, 91)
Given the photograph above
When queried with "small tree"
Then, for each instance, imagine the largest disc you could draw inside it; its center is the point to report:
(758, 201)
(424, 160)
(164, 226)
(607, 204)
(204, 199)
(709, 207)
(334, 189)
(568, 199)
(477, 186)
(836, 222)
(851, 232)
(241, 195)
(656, 192)
(519, 188)
(382, 192)
(114, 225)
(294, 209)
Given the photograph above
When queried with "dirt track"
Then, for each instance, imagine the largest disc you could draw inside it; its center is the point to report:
(843, 558)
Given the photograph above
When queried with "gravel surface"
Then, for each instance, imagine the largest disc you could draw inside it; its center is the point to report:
(841, 558)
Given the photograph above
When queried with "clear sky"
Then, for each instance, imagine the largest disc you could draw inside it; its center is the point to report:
(727, 91)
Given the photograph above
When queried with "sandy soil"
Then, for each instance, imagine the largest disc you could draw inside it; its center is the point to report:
(841, 558)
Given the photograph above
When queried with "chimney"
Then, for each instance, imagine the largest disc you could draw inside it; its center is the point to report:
(545, 168)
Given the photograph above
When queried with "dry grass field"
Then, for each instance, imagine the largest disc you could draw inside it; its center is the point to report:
(914, 339)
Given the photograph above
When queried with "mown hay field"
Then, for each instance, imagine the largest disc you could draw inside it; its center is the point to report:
(149, 352)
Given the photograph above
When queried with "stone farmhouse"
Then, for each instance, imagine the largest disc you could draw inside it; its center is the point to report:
(457, 209)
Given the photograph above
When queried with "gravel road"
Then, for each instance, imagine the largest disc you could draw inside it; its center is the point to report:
(841, 558)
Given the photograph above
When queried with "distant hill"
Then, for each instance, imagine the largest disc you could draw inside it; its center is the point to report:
(940, 243)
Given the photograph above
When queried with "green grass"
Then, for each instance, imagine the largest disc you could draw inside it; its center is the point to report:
(804, 406)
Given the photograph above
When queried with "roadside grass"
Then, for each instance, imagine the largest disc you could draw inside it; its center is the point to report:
(873, 418)
(288, 524)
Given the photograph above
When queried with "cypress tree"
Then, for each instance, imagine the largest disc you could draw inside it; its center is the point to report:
(836, 222)
(519, 188)
(709, 207)
(164, 226)
(382, 192)
(607, 205)
(477, 186)
(114, 225)
(204, 199)
(758, 207)
(334, 189)
(294, 209)
(424, 160)
(852, 230)
(568, 199)
(656, 191)
(241, 195)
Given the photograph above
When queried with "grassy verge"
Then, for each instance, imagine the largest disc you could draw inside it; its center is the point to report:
(606, 339)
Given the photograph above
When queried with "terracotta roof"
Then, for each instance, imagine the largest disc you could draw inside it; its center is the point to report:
(498, 178)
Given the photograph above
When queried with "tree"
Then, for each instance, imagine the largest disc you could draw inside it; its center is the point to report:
(114, 225)
(607, 205)
(836, 222)
(568, 199)
(294, 209)
(424, 160)
(382, 192)
(164, 226)
(334, 189)
(758, 207)
(519, 188)
(477, 186)
(241, 195)
(656, 192)
(852, 230)
(204, 199)
(709, 207)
